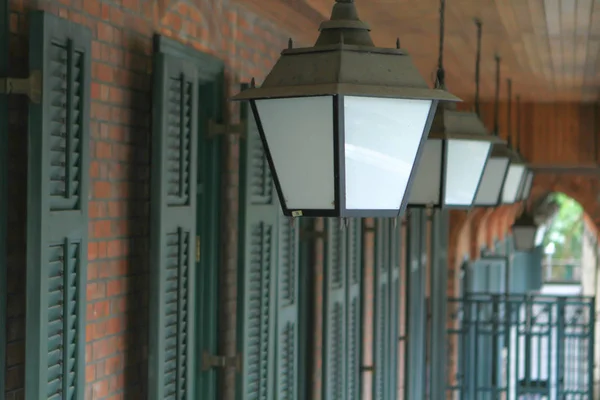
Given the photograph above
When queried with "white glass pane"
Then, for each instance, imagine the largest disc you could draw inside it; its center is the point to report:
(382, 137)
(524, 237)
(299, 133)
(539, 235)
(427, 184)
(465, 163)
(512, 183)
(527, 186)
(491, 182)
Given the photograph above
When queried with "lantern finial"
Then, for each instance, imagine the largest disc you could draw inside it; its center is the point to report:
(345, 25)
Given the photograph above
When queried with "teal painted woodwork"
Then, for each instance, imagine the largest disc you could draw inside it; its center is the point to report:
(173, 213)
(334, 318)
(268, 332)
(526, 271)
(386, 307)
(206, 200)
(4, 41)
(57, 209)
(354, 264)
(342, 300)
(440, 230)
(416, 259)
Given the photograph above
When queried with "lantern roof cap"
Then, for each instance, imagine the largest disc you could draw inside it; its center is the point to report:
(526, 219)
(344, 61)
(449, 123)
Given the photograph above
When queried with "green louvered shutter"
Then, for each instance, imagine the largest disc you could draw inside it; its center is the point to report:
(381, 319)
(394, 316)
(57, 212)
(173, 209)
(353, 317)
(258, 241)
(286, 375)
(4, 41)
(335, 312)
(416, 258)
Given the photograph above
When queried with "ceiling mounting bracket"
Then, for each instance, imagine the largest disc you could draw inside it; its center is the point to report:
(31, 86)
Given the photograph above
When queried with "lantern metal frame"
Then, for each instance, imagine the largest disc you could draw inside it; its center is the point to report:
(527, 185)
(343, 62)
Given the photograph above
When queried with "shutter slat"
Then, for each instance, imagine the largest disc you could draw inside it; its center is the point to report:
(173, 219)
(57, 215)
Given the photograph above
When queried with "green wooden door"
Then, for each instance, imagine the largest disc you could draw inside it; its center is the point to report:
(335, 333)
(416, 259)
(342, 311)
(185, 200)
(386, 307)
(4, 40)
(353, 310)
(4, 37)
(57, 209)
(381, 331)
(268, 282)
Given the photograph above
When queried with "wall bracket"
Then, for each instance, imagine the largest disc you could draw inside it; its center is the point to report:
(216, 129)
(211, 361)
(31, 86)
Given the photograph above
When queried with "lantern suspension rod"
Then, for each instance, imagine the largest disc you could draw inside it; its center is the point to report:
(518, 132)
(509, 114)
(497, 99)
(441, 75)
(477, 66)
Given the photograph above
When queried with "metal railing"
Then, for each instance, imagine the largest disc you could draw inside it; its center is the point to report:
(522, 347)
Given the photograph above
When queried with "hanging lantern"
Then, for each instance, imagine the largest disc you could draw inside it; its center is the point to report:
(495, 172)
(343, 122)
(456, 152)
(517, 169)
(446, 176)
(524, 232)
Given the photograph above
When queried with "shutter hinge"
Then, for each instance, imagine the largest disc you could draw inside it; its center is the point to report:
(197, 249)
(211, 361)
(216, 129)
(31, 87)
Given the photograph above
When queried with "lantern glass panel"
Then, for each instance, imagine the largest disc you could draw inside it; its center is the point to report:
(465, 163)
(524, 237)
(299, 134)
(428, 176)
(512, 183)
(492, 181)
(527, 186)
(381, 139)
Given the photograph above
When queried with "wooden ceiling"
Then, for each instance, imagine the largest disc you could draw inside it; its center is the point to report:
(549, 48)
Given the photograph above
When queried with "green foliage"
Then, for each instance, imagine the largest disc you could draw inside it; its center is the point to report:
(566, 229)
